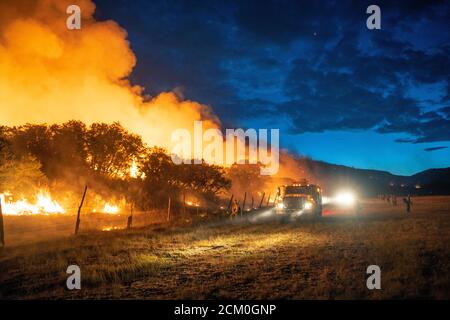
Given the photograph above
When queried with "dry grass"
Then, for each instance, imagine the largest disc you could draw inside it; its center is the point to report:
(22, 230)
(247, 260)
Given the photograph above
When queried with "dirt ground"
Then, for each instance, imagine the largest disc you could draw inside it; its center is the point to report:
(256, 257)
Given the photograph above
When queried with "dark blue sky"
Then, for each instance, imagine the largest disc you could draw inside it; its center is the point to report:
(337, 91)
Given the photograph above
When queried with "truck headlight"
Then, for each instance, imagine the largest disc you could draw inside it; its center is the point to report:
(280, 205)
(308, 205)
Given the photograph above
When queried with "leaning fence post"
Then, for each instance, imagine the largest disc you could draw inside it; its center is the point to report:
(184, 203)
(130, 218)
(2, 230)
(268, 199)
(229, 204)
(77, 226)
(243, 203)
(168, 210)
(276, 198)
(253, 202)
(278, 194)
(262, 199)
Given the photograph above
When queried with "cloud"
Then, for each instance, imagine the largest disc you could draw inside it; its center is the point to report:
(315, 63)
(434, 148)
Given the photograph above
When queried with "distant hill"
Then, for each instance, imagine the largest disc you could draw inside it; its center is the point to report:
(372, 182)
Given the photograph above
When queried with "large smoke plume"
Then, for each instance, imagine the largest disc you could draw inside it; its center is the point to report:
(49, 74)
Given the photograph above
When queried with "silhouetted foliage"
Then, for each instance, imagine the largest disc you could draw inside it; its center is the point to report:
(113, 161)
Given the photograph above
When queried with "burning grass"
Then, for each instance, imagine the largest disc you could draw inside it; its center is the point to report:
(44, 205)
(26, 229)
(305, 259)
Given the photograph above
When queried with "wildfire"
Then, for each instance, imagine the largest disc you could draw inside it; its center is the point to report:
(134, 170)
(111, 209)
(44, 205)
(110, 228)
(44, 64)
(193, 204)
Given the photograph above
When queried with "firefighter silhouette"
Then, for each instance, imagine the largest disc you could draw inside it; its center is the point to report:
(408, 203)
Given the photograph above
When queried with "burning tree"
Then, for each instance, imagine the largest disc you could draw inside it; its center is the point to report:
(116, 164)
(21, 176)
(112, 150)
(162, 178)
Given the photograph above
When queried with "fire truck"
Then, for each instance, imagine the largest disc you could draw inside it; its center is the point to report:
(299, 199)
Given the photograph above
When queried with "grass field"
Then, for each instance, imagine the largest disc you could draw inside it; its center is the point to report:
(258, 258)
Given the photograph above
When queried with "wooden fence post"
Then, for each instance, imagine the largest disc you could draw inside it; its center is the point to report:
(2, 230)
(243, 203)
(276, 198)
(262, 199)
(229, 204)
(77, 225)
(268, 199)
(130, 218)
(168, 210)
(253, 203)
(184, 204)
(277, 195)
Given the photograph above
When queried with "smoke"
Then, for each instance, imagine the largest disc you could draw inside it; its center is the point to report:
(49, 74)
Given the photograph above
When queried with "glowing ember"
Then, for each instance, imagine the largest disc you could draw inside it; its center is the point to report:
(193, 204)
(44, 205)
(111, 209)
(110, 228)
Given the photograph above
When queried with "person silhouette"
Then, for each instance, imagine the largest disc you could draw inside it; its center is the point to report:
(408, 203)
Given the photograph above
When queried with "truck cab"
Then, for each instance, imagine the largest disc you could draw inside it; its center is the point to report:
(300, 199)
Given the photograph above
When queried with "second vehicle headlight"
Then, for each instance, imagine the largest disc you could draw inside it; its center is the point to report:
(345, 198)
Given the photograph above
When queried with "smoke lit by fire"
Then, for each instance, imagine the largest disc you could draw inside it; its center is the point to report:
(49, 74)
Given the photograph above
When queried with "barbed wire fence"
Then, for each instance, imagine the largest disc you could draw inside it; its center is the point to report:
(24, 229)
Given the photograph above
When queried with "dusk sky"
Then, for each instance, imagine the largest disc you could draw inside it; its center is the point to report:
(337, 91)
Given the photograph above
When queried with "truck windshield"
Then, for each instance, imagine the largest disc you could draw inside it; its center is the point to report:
(298, 190)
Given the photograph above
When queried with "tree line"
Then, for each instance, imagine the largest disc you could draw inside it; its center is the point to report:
(107, 157)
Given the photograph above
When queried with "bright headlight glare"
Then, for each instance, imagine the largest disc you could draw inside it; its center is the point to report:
(308, 205)
(345, 198)
(280, 205)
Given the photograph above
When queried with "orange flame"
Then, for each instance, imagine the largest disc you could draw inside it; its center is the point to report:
(44, 205)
